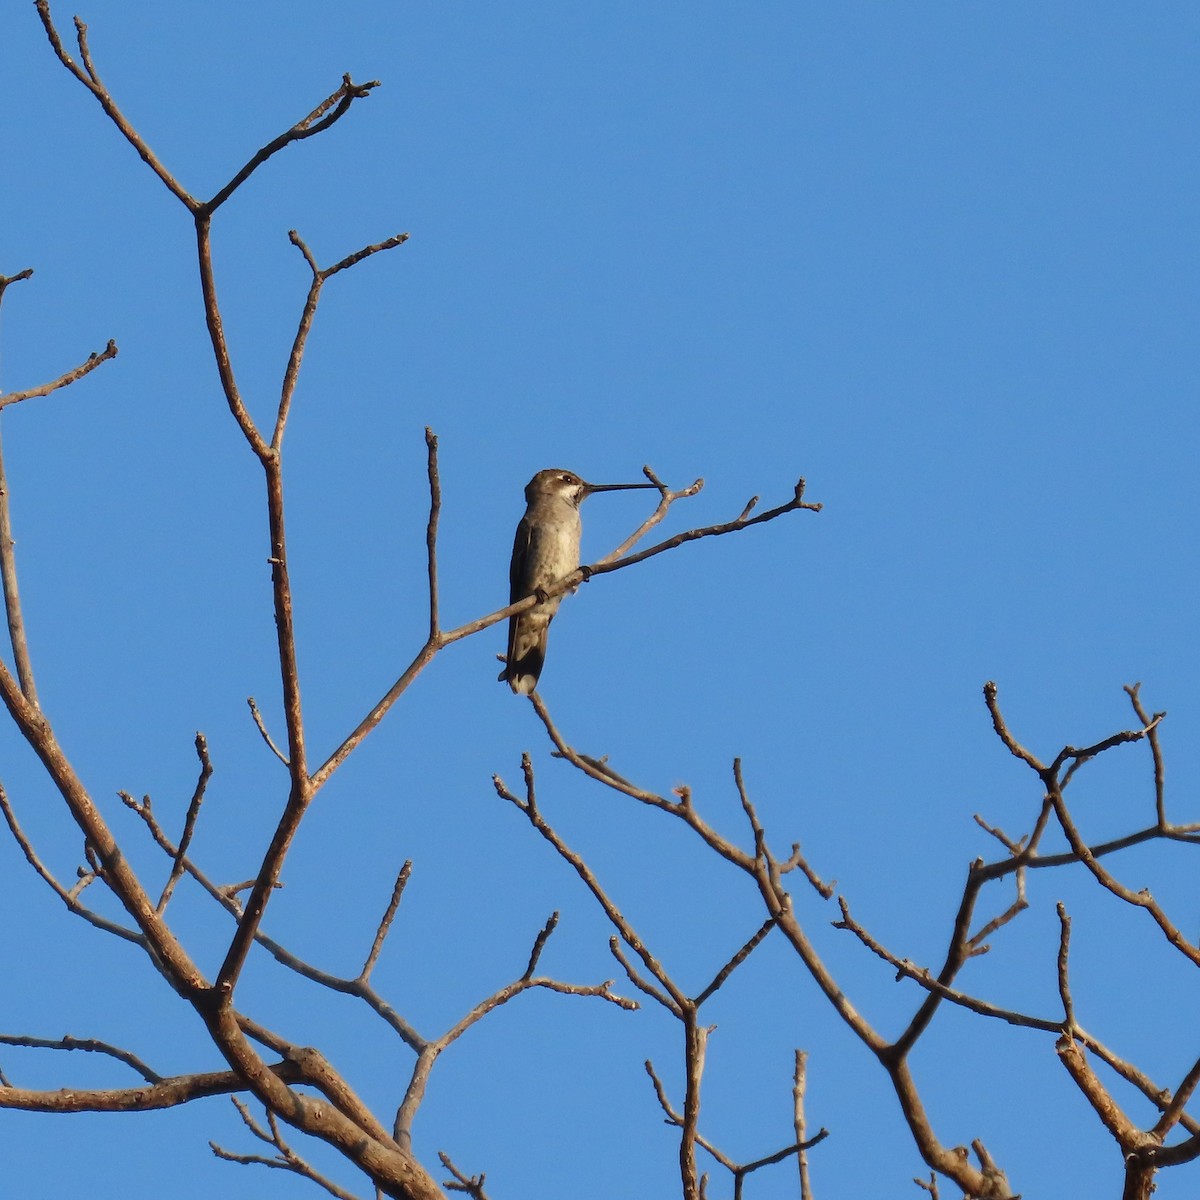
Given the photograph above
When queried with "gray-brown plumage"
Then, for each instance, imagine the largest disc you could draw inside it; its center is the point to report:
(545, 551)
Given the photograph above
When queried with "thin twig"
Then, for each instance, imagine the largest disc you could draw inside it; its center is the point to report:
(331, 109)
(226, 896)
(88, 76)
(385, 923)
(739, 1171)
(286, 1160)
(307, 315)
(799, 1086)
(1142, 899)
(85, 368)
(1133, 691)
(431, 530)
(68, 897)
(736, 961)
(89, 1045)
(12, 596)
(430, 1052)
(990, 693)
(591, 882)
(189, 823)
(262, 729)
(539, 944)
(472, 1185)
(1064, 983)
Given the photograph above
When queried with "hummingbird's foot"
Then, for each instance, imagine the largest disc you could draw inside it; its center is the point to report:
(586, 573)
(542, 595)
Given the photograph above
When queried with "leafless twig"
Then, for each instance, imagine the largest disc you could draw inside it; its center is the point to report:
(385, 923)
(189, 823)
(89, 1045)
(472, 1185)
(285, 1160)
(262, 729)
(86, 367)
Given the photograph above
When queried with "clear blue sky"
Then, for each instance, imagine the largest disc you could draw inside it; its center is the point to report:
(938, 258)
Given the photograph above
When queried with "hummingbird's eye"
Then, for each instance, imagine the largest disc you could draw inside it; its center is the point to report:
(567, 478)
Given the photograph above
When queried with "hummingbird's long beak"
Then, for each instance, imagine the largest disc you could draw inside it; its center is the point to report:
(589, 488)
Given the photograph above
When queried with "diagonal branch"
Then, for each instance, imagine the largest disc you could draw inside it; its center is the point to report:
(88, 1045)
(90, 78)
(331, 109)
(287, 1158)
(8, 559)
(385, 923)
(430, 1052)
(189, 823)
(1140, 899)
(575, 861)
(69, 897)
(262, 729)
(471, 1185)
(147, 1097)
(736, 961)
(12, 595)
(307, 315)
(226, 897)
(93, 360)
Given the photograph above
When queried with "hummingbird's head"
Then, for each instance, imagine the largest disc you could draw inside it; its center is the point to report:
(568, 486)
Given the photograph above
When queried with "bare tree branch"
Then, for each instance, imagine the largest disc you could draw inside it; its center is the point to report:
(331, 109)
(799, 1086)
(430, 1052)
(740, 1171)
(149, 1097)
(1064, 984)
(472, 1185)
(68, 897)
(189, 824)
(89, 1045)
(262, 729)
(736, 961)
(431, 531)
(286, 1160)
(86, 367)
(88, 76)
(623, 927)
(309, 311)
(385, 923)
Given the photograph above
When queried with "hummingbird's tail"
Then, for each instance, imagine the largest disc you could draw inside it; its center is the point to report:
(526, 653)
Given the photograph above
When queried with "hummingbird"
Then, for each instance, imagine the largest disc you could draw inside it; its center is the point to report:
(545, 551)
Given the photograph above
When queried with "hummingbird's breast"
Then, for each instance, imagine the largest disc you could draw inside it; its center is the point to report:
(553, 551)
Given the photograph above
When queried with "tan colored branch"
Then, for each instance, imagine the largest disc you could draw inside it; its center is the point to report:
(69, 897)
(286, 1160)
(149, 1097)
(90, 78)
(431, 1051)
(331, 109)
(87, 1045)
(86, 367)
(628, 934)
(471, 1185)
(189, 823)
(1128, 1136)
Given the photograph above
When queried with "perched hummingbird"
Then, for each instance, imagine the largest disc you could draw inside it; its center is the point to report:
(545, 551)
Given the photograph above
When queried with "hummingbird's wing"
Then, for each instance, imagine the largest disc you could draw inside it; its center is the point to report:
(527, 630)
(519, 583)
